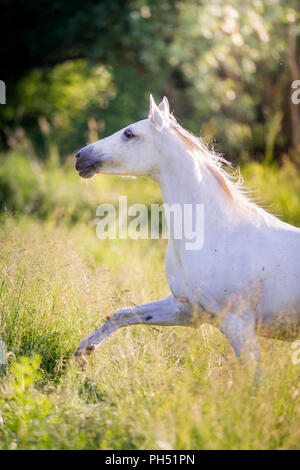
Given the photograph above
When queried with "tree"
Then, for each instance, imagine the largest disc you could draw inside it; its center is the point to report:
(226, 67)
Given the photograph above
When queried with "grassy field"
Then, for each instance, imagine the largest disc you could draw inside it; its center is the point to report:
(146, 387)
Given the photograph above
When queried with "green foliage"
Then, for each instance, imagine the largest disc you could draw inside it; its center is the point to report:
(32, 418)
(59, 282)
(48, 190)
(277, 189)
(227, 70)
(196, 396)
(226, 66)
(67, 94)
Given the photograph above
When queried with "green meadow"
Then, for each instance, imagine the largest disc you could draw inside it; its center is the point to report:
(74, 73)
(145, 387)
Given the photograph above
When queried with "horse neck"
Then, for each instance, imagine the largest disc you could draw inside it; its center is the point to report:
(188, 181)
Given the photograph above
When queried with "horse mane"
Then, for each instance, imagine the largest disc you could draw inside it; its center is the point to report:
(231, 181)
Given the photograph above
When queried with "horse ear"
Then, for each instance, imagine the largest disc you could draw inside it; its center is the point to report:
(152, 105)
(155, 116)
(164, 107)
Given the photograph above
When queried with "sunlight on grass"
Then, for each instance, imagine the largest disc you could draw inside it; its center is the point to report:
(146, 387)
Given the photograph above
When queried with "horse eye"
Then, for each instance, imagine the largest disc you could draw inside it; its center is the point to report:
(128, 134)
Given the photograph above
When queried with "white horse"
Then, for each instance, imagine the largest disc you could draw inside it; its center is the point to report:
(246, 277)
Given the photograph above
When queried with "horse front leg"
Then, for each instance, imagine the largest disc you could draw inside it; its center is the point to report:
(166, 312)
(239, 330)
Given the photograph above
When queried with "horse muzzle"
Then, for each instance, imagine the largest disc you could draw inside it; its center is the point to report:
(86, 163)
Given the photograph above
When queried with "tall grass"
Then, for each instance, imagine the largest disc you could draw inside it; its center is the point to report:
(146, 387)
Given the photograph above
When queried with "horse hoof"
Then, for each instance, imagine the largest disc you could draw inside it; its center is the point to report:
(84, 349)
(90, 348)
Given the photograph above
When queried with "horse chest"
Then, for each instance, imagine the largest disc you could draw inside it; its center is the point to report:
(186, 272)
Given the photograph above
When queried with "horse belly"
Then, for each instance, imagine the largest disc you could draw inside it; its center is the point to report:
(284, 325)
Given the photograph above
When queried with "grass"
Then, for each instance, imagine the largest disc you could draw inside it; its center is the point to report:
(145, 388)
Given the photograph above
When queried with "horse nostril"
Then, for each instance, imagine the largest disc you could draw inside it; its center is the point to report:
(77, 155)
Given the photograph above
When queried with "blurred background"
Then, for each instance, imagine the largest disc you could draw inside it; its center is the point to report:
(76, 72)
